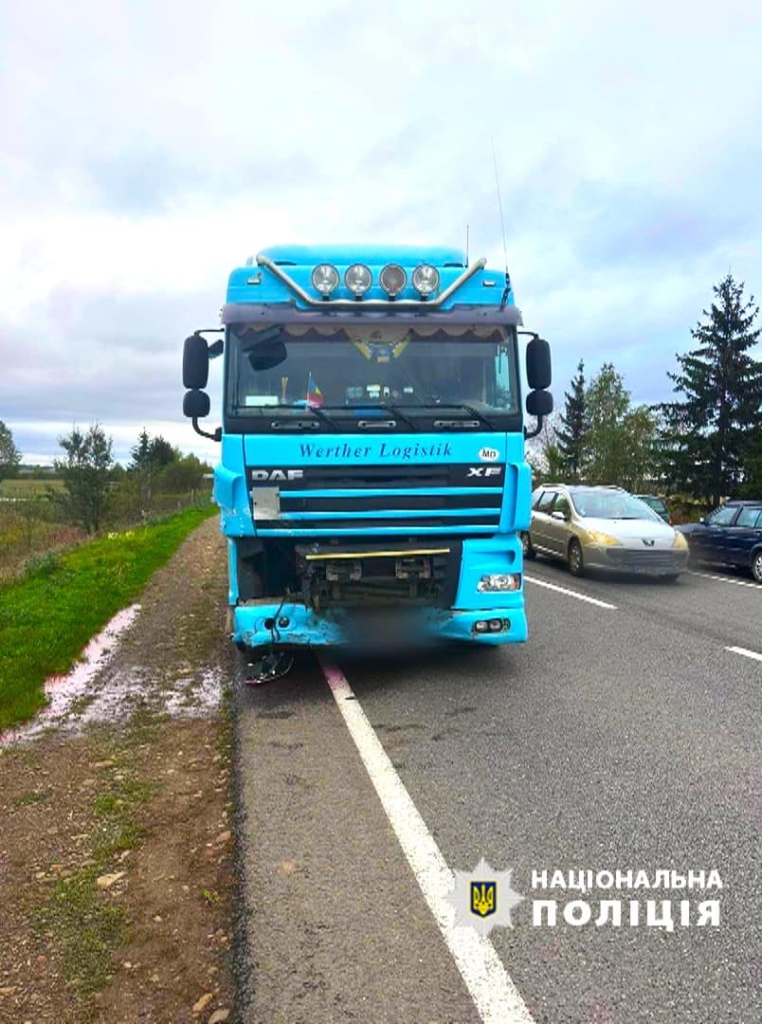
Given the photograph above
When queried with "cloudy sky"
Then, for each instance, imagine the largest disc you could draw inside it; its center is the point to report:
(146, 148)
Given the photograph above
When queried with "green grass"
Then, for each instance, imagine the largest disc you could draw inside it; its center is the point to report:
(47, 618)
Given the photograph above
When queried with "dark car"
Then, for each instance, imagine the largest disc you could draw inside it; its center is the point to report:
(659, 505)
(731, 535)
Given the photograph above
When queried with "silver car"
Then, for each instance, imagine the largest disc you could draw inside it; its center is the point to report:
(603, 528)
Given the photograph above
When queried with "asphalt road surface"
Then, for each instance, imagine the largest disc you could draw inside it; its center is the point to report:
(625, 735)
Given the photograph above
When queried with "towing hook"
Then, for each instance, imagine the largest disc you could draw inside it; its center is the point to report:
(273, 665)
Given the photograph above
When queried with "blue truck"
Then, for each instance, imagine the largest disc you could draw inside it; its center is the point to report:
(372, 472)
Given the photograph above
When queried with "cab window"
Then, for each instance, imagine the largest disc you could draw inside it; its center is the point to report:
(545, 502)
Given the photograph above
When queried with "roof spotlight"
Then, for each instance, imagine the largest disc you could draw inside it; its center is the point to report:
(393, 279)
(358, 279)
(426, 279)
(325, 279)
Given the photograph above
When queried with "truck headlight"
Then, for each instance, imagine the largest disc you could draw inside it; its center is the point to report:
(325, 278)
(358, 279)
(425, 279)
(501, 581)
(393, 279)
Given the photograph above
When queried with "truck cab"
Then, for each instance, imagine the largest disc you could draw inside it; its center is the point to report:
(372, 460)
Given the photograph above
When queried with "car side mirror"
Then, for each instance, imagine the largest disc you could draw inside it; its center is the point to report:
(558, 514)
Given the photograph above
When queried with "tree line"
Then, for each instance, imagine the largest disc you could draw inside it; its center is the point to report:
(704, 443)
(95, 489)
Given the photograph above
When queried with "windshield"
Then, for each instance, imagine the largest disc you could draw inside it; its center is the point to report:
(611, 504)
(299, 370)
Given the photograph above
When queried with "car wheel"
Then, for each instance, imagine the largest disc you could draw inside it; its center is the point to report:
(526, 546)
(576, 561)
(756, 566)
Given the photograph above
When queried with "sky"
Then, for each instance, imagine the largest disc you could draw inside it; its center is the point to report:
(148, 148)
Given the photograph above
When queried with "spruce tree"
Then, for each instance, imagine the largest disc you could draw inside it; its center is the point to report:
(710, 432)
(571, 438)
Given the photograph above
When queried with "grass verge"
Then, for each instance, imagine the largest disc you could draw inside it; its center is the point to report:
(47, 618)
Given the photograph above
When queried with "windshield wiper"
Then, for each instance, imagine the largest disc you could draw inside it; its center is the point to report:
(395, 411)
(479, 417)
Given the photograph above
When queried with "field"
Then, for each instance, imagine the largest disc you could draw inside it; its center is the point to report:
(32, 525)
(28, 524)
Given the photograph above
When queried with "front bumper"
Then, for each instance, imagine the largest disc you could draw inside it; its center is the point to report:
(293, 624)
(646, 561)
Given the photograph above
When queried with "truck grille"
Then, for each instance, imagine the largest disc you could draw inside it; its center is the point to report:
(343, 500)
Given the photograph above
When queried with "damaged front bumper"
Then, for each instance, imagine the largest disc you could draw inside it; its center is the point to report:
(292, 624)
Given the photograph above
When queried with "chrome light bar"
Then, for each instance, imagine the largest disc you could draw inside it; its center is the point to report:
(355, 304)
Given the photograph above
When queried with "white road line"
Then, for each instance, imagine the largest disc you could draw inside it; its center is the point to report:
(486, 979)
(746, 653)
(725, 579)
(571, 593)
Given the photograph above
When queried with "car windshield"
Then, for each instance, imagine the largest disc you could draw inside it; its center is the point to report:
(283, 371)
(603, 504)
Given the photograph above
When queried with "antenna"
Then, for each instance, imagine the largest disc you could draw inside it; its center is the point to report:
(500, 207)
(467, 227)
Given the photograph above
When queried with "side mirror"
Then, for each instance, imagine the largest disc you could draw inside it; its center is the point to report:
(558, 514)
(195, 363)
(196, 404)
(539, 403)
(539, 372)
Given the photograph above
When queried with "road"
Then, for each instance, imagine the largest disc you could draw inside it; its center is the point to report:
(624, 736)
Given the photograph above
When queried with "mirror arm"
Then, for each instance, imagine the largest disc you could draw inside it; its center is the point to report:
(538, 427)
(216, 436)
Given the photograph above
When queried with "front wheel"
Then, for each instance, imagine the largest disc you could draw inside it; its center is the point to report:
(576, 560)
(756, 566)
(526, 546)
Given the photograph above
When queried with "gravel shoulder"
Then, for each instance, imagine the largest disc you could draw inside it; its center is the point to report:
(116, 848)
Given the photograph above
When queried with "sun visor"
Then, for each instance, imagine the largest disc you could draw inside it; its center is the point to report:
(456, 317)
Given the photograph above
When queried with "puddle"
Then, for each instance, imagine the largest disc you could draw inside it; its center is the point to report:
(78, 699)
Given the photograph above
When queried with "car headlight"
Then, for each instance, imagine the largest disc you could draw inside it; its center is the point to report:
(679, 541)
(500, 581)
(603, 539)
